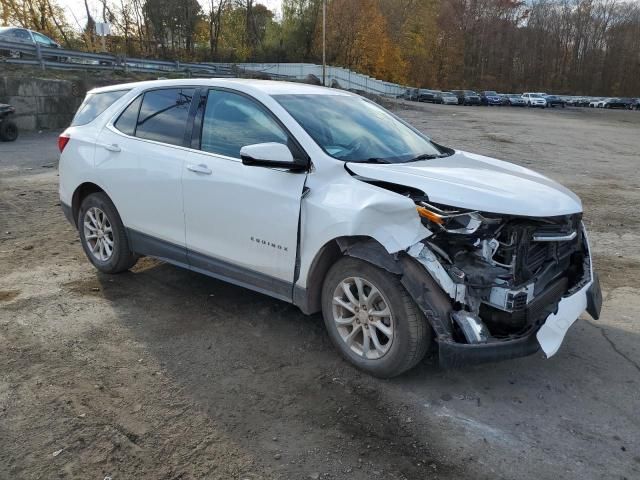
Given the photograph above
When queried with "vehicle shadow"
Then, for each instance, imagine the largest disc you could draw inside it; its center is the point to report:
(263, 370)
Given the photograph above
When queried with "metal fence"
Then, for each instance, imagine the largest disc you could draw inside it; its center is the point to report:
(46, 57)
(345, 78)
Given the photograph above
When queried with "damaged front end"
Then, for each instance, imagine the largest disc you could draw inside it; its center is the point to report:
(516, 284)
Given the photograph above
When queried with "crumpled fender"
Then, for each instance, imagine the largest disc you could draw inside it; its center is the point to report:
(418, 282)
(345, 207)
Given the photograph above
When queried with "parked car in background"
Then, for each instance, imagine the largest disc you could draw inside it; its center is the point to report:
(554, 101)
(490, 97)
(425, 95)
(624, 103)
(446, 98)
(534, 99)
(504, 99)
(516, 100)
(323, 199)
(467, 97)
(635, 104)
(411, 94)
(24, 35)
(578, 101)
(597, 102)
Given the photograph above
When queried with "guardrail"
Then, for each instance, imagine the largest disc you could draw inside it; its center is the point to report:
(18, 53)
(46, 57)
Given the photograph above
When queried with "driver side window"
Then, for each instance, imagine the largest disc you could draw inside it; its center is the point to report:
(232, 121)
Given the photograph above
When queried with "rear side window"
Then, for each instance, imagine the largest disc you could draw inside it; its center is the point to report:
(94, 104)
(128, 119)
(163, 115)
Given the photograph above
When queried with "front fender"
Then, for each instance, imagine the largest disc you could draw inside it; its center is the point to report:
(346, 207)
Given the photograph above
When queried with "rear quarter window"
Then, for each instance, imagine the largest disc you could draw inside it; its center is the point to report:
(94, 104)
(128, 119)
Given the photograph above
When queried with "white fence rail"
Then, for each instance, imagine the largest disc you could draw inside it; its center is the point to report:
(346, 78)
(45, 57)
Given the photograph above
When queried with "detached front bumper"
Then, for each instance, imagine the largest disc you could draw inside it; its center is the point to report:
(548, 337)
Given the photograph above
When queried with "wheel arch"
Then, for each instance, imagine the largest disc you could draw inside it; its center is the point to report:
(424, 290)
(81, 192)
(308, 298)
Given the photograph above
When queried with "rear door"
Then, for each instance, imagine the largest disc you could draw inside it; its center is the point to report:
(241, 221)
(140, 159)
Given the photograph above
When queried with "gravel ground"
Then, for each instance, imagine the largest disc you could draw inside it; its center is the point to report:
(166, 374)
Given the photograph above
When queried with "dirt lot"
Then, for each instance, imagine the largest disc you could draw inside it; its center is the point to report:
(164, 374)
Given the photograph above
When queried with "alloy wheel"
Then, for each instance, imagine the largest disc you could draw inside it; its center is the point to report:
(98, 234)
(363, 318)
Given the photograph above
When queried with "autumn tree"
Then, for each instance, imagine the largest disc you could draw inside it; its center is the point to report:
(358, 38)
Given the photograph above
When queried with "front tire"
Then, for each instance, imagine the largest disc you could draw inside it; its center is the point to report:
(103, 236)
(8, 131)
(372, 320)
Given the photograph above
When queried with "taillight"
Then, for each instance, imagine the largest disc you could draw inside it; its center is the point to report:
(62, 141)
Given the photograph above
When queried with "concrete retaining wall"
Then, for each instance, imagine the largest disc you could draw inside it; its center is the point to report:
(41, 103)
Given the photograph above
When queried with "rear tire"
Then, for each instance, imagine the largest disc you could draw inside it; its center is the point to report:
(408, 335)
(8, 131)
(103, 236)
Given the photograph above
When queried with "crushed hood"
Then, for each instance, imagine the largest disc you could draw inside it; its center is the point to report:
(467, 180)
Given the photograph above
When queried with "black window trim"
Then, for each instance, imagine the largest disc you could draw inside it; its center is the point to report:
(185, 143)
(118, 115)
(301, 157)
(193, 130)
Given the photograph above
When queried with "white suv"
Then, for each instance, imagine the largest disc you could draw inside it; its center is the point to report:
(322, 198)
(535, 100)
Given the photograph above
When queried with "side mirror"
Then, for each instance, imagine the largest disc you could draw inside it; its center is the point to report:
(269, 154)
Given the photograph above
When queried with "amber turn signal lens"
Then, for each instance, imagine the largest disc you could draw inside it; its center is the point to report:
(429, 215)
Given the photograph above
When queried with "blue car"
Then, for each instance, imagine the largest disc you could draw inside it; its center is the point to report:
(489, 97)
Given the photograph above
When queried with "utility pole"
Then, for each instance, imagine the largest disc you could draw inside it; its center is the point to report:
(324, 42)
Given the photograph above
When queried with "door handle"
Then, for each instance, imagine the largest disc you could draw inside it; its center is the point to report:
(201, 168)
(111, 147)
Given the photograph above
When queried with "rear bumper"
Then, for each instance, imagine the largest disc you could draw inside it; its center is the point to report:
(548, 337)
(68, 213)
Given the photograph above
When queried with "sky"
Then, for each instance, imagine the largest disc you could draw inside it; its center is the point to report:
(75, 11)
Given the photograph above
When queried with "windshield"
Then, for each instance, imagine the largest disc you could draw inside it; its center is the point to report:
(353, 129)
(489, 94)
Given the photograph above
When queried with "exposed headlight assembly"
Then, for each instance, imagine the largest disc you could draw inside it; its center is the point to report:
(453, 221)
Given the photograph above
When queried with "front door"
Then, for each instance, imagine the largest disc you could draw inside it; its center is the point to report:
(241, 221)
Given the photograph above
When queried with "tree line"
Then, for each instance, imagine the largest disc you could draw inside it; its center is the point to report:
(564, 46)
